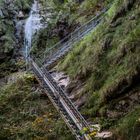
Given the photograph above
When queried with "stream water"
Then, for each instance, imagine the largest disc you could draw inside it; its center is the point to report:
(32, 25)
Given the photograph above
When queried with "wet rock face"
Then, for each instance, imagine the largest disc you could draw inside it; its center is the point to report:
(72, 88)
(74, 91)
(62, 79)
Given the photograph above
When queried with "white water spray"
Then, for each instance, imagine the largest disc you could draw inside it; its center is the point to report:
(32, 25)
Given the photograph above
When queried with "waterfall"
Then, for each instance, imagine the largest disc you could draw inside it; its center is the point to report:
(32, 25)
(28, 35)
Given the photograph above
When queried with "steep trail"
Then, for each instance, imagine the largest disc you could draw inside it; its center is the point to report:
(56, 94)
(61, 102)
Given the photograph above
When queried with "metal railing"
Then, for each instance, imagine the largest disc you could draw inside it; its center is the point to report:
(56, 94)
(68, 41)
(61, 102)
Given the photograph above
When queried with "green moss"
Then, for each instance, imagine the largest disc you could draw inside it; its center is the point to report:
(128, 127)
(26, 113)
(7, 67)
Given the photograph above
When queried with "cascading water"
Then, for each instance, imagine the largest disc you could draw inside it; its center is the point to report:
(32, 25)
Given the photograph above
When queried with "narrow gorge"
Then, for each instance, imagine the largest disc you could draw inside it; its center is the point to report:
(70, 70)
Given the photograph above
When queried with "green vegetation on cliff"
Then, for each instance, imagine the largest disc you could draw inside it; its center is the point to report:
(9, 11)
(107, 62)
(26, 113)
